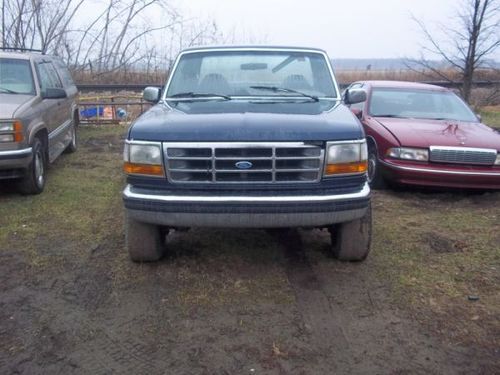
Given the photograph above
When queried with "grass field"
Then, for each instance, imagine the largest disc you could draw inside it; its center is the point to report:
(491, 116)
(426, 299)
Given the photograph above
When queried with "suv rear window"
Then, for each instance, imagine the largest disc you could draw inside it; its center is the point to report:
(16, 77)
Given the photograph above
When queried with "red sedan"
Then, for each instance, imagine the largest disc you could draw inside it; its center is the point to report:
(425, 135)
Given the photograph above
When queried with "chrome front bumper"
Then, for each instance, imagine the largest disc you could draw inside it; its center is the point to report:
(16, 159)
(475, 177)
(442, 171)
(244, 211)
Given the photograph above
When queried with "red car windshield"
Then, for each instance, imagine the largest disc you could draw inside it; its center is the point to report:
(424, 104)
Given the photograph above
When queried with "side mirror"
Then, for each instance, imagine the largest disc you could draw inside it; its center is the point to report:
(357, 112)
(54, 93)
(479, 117)
(354, 96)
(151, 94)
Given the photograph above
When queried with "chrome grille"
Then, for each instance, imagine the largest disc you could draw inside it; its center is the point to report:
(462, 155)
(265, 162)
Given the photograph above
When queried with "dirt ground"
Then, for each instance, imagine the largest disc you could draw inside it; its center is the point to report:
(242, 301)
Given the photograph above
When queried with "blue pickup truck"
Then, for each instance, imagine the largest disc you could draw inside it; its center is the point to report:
(248, 137)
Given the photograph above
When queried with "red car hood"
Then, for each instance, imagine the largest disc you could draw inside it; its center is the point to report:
(425, 133)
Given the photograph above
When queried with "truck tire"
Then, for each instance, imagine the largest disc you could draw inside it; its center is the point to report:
(145, 242)
(33, 181)
(351, 241)
(73, 144)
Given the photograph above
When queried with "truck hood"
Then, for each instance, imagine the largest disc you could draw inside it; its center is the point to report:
(9, 103)
(425, 133)
(242, 121)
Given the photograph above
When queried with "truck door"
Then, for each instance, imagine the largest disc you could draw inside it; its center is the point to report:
(55, 111)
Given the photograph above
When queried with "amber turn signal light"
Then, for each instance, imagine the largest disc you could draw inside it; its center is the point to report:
(343, 168)
(18, 131)
(144, 169)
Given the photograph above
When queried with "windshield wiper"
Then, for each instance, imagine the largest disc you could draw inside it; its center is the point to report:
(390, 116)
(9, 91)
(191, 94)
(283, 89)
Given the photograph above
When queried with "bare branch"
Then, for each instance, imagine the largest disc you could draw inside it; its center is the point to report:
(470, 41)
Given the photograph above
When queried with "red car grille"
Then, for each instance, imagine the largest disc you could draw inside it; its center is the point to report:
(462, 155)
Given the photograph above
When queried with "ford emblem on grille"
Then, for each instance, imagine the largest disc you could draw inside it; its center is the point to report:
(244, 165)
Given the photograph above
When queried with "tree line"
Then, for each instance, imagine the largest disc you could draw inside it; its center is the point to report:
(107, 36)
(104, 36)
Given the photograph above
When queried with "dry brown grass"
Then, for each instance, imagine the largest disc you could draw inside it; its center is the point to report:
(480, 96)
(348, 76)
(122, 76)
(344, 76)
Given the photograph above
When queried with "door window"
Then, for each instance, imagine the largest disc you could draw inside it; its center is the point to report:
(64, 74)
(48, 76)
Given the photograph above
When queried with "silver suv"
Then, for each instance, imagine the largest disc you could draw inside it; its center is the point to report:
(38, 116)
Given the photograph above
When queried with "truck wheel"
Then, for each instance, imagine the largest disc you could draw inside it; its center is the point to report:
(73, 144)
(145, 242)
(33, 181)
(351, 241)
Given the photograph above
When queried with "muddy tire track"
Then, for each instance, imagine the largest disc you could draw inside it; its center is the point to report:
(322, 320)
(350, 322)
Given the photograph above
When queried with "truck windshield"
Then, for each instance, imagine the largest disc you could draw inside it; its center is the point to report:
(424, 104)
(16, 77)
(271, 73)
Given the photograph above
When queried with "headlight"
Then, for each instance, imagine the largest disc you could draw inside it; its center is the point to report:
(346, 158)
(6, 137)
(143, 158)
(497, 161)
(14, 128)
(7, 127)
(145, 154)
(405, 153)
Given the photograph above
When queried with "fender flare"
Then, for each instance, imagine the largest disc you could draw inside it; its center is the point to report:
(35, 129)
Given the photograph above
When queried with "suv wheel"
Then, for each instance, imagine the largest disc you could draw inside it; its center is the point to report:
(351, 241)
(73, 144)
(34, 180)
(145, 242)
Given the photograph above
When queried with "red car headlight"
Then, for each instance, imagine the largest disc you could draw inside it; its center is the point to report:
(406, 153)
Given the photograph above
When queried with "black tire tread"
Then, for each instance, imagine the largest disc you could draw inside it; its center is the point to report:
(27, 184)
(351, 241)
(72, 148)
(378, 182)
(144, 241)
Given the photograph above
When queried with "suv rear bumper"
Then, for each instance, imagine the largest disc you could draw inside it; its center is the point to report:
(244, 211)
(15, 159)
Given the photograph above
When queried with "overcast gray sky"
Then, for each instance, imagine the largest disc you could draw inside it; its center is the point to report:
(345, 28)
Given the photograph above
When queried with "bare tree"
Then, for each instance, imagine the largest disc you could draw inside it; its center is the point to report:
(124, 36)
(36, 23)
(115, 37)
(470, 40)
